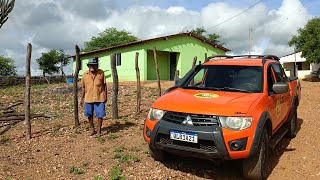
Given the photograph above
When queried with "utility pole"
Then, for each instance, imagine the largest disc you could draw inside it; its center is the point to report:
(295, 62)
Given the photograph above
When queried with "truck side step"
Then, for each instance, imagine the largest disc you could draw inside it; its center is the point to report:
(275, 139)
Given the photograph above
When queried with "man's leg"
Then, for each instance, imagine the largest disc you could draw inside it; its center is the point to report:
(100, 113)
(88, 111)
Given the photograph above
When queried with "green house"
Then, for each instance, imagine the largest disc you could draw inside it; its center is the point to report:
(174, 52)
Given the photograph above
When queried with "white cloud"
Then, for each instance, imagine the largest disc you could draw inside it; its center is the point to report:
(69, 24)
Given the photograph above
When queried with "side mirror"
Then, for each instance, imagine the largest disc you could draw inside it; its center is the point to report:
(280, 88)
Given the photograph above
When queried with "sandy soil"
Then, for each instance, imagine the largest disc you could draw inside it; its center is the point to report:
(58, 151)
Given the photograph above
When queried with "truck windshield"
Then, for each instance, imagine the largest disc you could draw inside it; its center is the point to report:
(246, 79)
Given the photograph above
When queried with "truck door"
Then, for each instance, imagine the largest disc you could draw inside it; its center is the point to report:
(285, 97)
(274, 104)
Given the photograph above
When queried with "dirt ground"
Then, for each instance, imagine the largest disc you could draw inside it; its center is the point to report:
(58, 151)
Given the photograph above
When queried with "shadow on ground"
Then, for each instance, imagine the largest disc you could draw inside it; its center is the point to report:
(225, 169)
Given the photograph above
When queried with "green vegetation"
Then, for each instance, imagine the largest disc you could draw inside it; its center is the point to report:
(115, 174)
(307, 41)
(108, 38)
(101, 139)
(85, 164)
(7, 67)
(98, 178)
(76, 170)
(119, 149)
(124, 158)
(4, 139)
(111, 136)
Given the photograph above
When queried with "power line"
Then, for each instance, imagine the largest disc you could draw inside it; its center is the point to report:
(235, 15)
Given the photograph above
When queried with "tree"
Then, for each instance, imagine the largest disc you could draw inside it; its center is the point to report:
(108, 38)
(7, 67)
(6, 7)
(200, 31)
(308, 41)
(53, 62)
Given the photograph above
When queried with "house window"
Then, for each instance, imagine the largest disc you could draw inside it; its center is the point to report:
(118, 59)
(299, 64)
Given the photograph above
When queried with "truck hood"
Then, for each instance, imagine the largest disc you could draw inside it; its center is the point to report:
(206, 102)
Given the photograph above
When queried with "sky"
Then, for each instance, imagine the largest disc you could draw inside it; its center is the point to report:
(61, 24)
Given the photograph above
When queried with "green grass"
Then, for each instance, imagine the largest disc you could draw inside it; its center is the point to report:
(115, 174)
(39, 86)
(124, 158)
(119, 149)
(111, 136)
(76, 170)
(101, 139)
(98, 178)
(85, 164)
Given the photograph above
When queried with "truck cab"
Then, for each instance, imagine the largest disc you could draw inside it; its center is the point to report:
(229, 107)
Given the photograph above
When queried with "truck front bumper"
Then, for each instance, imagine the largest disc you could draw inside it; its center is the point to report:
(210, 144)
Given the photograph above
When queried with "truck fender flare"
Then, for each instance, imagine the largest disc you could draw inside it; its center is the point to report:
(256, 137)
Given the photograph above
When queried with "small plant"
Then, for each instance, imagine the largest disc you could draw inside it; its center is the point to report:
(4, 139)
(85, 164)
(135, 149)
(112, 136)
(76, 170)
(98, 178)
(115, 174)
(119, 149)
(101, 139)
(126, 158)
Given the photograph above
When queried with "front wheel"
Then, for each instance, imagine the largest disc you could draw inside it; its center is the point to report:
(157, 154)
(255, 166)
(293, 125)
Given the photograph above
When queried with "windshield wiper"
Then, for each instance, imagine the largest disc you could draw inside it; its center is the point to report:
(235, 89)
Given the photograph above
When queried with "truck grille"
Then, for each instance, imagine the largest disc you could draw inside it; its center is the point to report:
(204, 145)
(197, 120)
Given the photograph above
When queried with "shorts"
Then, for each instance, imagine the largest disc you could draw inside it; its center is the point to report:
(97, 107)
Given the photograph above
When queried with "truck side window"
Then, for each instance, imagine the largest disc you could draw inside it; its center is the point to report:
(279, 73)
(270, 79)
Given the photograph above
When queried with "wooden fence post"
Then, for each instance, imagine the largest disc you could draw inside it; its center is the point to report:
(157, 70)
(193, 65)
(205, 56)
(115, 87)
(75, 88)
(27, 93)
(176, 75)
(138, 84)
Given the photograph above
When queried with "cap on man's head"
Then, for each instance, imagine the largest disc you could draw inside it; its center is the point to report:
(93, 61)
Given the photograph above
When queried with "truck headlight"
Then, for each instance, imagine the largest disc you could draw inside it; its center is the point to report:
(236, 123)
(155, 114)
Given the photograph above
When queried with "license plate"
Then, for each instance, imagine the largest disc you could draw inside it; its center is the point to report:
(184, 136)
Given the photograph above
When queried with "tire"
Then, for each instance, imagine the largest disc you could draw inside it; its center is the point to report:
(293, 125)
(157, 154)
(255, 167)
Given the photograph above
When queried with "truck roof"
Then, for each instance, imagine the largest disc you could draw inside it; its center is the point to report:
(242, 60)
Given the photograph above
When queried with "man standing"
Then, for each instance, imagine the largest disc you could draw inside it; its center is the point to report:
(94, 94)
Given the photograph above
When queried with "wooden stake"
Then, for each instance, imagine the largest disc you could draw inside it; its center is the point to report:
(27, 91)
(115, 82)
(75, 88)
(193, 65)
(138, 84)
(176, 75)
(205, 56)
(157, 70)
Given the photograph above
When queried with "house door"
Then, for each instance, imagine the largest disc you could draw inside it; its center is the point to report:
(173, 65)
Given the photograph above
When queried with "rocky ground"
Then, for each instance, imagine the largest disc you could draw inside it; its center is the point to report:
(58, 151)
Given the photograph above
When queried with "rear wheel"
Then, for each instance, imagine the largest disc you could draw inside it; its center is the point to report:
(157, 154)
(293, 125)
(255, 167)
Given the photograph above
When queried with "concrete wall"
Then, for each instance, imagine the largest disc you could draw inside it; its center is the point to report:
(289, 69)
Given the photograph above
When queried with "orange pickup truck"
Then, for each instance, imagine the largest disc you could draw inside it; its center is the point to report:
(229, 107)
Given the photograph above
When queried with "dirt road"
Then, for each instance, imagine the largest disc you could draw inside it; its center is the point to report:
(58, 151)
